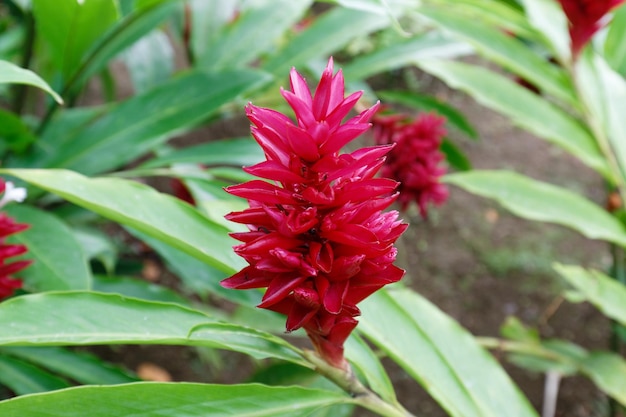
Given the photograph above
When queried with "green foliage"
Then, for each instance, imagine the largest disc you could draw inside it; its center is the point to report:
(12, 74)
(192, 63)
(175, 399)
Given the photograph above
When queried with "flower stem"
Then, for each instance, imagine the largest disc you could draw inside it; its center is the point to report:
(346, 380)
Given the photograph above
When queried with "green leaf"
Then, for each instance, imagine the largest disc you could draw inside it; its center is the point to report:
(404, 53)
(81, 367)
(198, 277)
(506, 14)
(89, 318)
(137, 125)
(327, 34)
(137, 288)
(97, 245)
(57, 136)
(608, 372)
(256, 343)
(173, 399)
(455, 157)
(614, 45)
(24, 378)
(526, 109)
(59, 261)
(237, 152)
(70, 27)
(252, 34)
(367, 363)
(122, 35)
(506, 50)
(428, 103)
(443, 357)
(548, 18)
(208, 19)
(536, 200)
(11, 73)
(604, 92)
(15, 135)
(132, 204)
(604, 292)
(150, 61)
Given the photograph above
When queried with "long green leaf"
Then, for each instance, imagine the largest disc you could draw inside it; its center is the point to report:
(407, 52)
(236, 152)
(367, 363)
(428, 103)
(608, 372)
(81, 367)
(173, 399)
(253, 33)
(444, 358)
(150, 61)
(122, 35)
(129, 203)
(11, 73)
(70, 28)
(548, 18)
(89, 318)
(505, 50)
(536, 200)
(605, 293)
(25, 378)
(526, 109)
(614, 45)
(59, 261)
(137, 125)
(604, 91)
(195, 275)
(137, 288)
(329, 33)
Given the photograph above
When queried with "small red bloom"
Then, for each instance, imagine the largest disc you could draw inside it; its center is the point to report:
(8, 226)
(416, 159)
(585, 19)
(318, 239)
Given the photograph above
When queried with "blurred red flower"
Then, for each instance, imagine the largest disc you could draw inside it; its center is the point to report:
(416, 160)
(585, 18)
(318, 239)
(8, 226)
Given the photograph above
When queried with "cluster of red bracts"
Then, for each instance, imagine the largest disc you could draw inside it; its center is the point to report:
(416, 161)
(318, 239)
(8, 226)
(585, 18)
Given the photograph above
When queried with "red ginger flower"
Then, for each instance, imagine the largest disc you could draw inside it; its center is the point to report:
(416, 159)
(585, 19)
(317, 240)
(8, 226)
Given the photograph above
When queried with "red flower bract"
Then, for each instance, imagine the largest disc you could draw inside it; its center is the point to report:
(585, 19)
(318, 239)
(416, 159)
(8, 226)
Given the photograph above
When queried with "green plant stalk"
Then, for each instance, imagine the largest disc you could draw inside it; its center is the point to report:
(601, 139)
(533, 349)
(346, 380)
